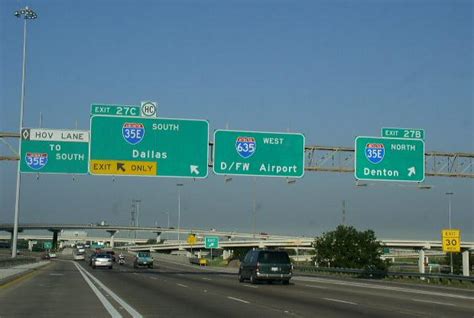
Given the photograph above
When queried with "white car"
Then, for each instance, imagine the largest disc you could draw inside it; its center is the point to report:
(79, 256)
(102, 260)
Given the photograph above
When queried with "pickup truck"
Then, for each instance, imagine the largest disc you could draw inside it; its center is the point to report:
(143, 259)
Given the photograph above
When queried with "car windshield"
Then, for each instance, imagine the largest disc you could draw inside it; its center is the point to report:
(273, 257)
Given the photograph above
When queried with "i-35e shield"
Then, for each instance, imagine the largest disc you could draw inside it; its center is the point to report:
(133, 133)
(36, 161)
(374, 152)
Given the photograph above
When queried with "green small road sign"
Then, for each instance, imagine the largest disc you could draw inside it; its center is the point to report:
(389, 159)
(258, 153)
(411, 133)
(211, 241)
(54, 151)
(136, 146)
(115, 110)
(47, 245)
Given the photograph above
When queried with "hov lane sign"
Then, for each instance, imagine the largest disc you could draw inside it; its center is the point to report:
(54, 151)
(211, 241)
(451, 240)
(389, 159)
(254, 153)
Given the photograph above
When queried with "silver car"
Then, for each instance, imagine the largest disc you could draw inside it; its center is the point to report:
(102, 260)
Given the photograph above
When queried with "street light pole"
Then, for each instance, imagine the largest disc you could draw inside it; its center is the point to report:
(27, 14)
(179, 185)
(449, 194)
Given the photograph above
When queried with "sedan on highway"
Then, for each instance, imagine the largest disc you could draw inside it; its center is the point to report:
(102, 260)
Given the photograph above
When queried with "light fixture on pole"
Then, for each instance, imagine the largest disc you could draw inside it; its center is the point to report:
(27, 14)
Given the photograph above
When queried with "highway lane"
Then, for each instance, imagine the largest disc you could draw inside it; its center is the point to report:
(57, 290)
(179, 290)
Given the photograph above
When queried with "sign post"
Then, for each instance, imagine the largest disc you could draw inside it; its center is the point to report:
(389, 159)
(258, 153)
(211, 242)
(136, 146)
(54, 151)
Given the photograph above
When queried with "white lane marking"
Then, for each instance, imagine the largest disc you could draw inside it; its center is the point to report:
(205, 278)
(249, 286)
(238, 299)
(391, 288)
(182, 285)
(314, 286)
(126, 306)
(340, 301)
(153, 278)
(112, 311)
(433, 302)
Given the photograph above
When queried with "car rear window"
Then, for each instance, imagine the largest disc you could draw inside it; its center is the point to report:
(143, 254)
(273, 257)
(103, 256)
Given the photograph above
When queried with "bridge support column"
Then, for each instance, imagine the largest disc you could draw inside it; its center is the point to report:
(55, 238)
(421, 262)
(465, 263)
(158, 237)
(30, 245)
(226, 254)
(112, 235)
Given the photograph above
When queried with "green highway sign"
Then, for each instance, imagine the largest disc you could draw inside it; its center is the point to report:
(258, 153)
(389, 159)
(137, 146)
(115, 110)
(54, 151)
(211, 241)
(411, 133)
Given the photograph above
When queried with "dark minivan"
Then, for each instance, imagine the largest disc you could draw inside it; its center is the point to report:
(266, 265)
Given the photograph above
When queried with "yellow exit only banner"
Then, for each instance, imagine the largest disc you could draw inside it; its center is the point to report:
(451, 240)
(123, 167)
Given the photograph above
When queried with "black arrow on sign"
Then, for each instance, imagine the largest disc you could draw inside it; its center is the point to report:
(120, 166)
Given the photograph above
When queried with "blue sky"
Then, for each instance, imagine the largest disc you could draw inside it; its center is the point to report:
(332, 70)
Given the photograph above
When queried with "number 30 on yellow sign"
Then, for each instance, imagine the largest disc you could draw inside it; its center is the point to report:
(451, 240)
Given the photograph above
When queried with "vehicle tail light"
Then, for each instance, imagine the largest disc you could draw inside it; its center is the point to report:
(258, 266)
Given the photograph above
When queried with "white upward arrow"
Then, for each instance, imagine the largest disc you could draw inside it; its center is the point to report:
(194, 169)
(411, 171)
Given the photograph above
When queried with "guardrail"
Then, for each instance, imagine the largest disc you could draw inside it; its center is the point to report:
(9, 262)
(372, 273)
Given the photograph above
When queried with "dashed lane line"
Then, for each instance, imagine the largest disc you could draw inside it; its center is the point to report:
(432, 302)
(341, 301)
(181, 285)
(238, 299)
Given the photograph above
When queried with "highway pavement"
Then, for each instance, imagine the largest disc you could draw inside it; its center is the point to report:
(173, 289)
